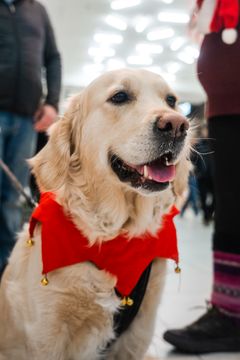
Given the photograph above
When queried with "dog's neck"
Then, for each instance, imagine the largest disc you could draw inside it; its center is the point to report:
(104, 212)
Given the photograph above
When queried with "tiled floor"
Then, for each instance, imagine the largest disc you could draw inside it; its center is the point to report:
(185, 295)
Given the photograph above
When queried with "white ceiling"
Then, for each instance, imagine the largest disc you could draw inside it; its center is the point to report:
(76, 22)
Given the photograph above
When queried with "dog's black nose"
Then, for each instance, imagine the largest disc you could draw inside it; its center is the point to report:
(173, 124)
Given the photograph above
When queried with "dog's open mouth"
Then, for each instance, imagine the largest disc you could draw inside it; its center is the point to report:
(153, 176)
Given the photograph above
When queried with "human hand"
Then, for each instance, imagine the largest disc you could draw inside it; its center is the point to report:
(44, 117)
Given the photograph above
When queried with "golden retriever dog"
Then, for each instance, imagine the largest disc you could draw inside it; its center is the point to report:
(116, 162)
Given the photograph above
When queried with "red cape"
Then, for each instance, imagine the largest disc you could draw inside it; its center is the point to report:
(63, 244)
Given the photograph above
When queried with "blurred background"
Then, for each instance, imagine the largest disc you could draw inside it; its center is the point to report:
(94, 36)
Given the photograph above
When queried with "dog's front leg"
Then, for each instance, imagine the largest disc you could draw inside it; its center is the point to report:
(59, 341)
(75, 312)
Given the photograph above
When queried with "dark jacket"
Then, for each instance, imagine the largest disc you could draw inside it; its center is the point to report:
(27, 47)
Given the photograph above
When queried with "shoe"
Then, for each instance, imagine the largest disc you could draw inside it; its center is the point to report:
(205, 222)
(213, 332)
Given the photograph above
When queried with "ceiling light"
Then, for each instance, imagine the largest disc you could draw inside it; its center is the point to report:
(141, 23)
(178, 17)
(114, 64)
(139, 60)
(173, 67)
(186, 58)
(149, 48)
(122, 4)
(154, 69)
(169, 78)
(160, 33)
(116, 22)
(167, 1)
(189, 54)
(177, 43)
(108, 38)
(101, 51)
(192, 51)
(98, 59)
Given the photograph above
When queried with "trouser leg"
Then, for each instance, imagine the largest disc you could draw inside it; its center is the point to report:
(18, 144)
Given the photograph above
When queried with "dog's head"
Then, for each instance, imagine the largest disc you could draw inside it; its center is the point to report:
(118, 157)
(125, 127)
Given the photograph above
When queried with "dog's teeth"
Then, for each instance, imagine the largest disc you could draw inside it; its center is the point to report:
(166, 160)
(150, 178)
(145, 171)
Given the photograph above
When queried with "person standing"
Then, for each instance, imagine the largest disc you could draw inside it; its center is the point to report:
(27, 49)
(203, 166)
(192, 198)
(219, 73)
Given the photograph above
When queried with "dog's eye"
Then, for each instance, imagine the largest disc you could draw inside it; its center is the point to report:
(120, 98)
(171, 100)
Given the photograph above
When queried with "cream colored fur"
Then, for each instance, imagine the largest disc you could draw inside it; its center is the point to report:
(72, 317)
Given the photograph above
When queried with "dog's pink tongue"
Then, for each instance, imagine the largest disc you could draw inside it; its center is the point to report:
(161, 173)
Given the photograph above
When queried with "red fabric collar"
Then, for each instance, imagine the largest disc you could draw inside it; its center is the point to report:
(63, 244)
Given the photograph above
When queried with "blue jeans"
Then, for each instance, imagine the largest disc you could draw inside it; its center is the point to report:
(192, 199)
(17, 143)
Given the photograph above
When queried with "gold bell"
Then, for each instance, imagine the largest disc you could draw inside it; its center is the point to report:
(177, 269)
(44, 281)
(124, 301)
(127, 301)
(30, 242)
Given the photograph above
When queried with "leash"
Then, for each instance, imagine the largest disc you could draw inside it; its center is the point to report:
(18, 186)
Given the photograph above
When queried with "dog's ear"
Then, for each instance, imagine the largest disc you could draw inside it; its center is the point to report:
(52, 164)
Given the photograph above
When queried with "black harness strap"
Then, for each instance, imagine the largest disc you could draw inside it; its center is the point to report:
(125, 316)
